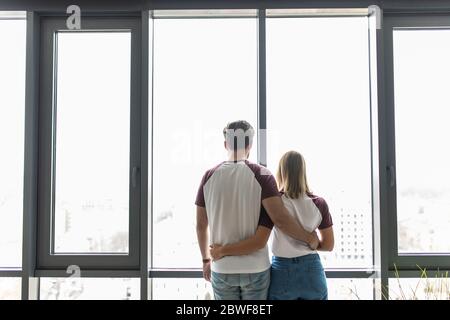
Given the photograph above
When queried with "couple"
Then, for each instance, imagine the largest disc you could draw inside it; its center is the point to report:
(238, 205)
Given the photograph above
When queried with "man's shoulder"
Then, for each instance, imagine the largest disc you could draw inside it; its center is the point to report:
(258, 169)
(208, 173)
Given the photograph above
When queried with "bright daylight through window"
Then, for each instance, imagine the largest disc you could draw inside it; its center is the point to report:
(92, 164)
(110, 115)
(421, 69)
(196, 92)
(318, 104)
(12, 120)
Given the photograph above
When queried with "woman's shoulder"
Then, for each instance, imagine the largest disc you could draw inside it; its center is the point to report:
(307, 196)
(322, 205)
(316, 199)
(304, 201)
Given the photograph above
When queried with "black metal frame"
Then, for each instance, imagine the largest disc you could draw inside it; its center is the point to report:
(47, 148)
(143, 5)
(405, 262)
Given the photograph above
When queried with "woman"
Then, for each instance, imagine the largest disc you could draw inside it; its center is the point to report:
(297, 272)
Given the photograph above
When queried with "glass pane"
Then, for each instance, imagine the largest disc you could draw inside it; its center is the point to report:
(181, 289)
(350, 289)
(10, 288)
(92, 142)
(432, 287)
(421, 69)
(196, 93)
(12, 106)
(199, 289)
(318, 104)
(89, 289)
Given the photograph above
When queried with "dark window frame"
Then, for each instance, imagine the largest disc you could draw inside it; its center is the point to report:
(45, 259)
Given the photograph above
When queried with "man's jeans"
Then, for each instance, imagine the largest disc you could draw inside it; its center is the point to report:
(241, 286)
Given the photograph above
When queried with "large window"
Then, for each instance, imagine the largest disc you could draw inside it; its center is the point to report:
(421, 69)
(205, 75)
(89, 144)
(92, 111)
(364, 99)
(318, 103)
(12, 119)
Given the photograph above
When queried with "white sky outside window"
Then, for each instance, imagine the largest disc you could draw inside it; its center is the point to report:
(318, 104)
(422, 114)
(205, 75)
(12, 118)
(73, 288)
(10, 288)
(92, 142)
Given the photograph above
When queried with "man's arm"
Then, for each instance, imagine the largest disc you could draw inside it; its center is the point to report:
(247, 246)
(286, 223)
(203, 240)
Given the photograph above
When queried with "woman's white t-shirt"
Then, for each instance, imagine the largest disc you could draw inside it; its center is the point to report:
(312, 213)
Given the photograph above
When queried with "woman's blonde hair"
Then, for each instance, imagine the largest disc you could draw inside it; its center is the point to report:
(291, 175)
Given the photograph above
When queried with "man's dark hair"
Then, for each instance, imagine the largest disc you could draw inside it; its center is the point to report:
(239, 134)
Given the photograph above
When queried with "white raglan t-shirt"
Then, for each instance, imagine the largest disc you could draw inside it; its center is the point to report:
(232, 193)
(312, 213)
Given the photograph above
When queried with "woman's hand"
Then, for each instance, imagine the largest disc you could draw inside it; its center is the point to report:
(216, 251)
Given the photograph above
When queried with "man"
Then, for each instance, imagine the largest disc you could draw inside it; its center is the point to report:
(229, 206)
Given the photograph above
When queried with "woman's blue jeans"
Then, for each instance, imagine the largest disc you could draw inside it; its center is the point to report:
(300, 278)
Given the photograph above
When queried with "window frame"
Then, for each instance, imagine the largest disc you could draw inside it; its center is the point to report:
(262, 153)
(86, 261)
(374, 46)
(156, 15)
(407, 262)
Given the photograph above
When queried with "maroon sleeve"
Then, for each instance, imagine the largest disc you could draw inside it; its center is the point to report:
(264, 219)
(269, 187)
(326, 216)
(200, 200)
(266, 181)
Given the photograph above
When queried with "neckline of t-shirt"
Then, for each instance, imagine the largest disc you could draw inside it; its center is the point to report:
(236, 161)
